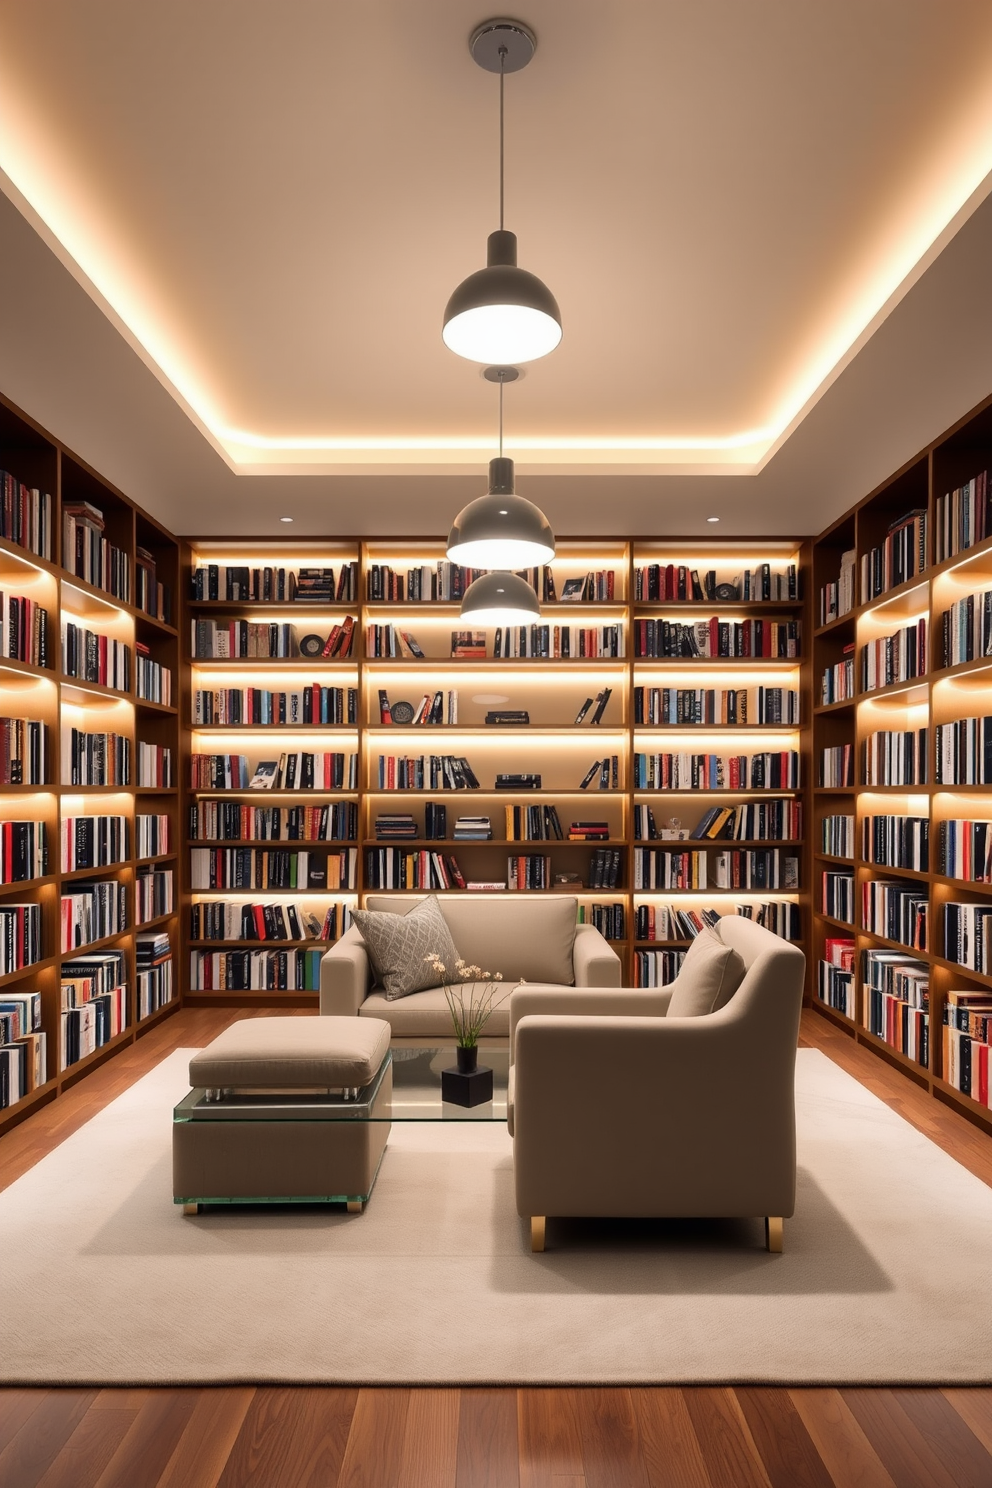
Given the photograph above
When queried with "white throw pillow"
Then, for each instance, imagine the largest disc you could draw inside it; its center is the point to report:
(710, 975)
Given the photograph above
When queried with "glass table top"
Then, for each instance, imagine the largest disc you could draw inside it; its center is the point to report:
(415, 1096)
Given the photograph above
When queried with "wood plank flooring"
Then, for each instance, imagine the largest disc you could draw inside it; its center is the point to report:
(490, 1438)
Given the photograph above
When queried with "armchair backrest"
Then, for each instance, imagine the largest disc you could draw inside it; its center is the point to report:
(520, 937)
(771, 995)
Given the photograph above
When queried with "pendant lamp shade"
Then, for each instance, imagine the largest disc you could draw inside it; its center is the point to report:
(500, 599)
(501, 530)
(502, 313)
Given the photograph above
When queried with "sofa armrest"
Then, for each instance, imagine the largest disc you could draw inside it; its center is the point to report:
(594, 962)
(345, 976)
(588, 1002)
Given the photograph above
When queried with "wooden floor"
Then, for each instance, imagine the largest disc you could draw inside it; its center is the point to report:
(474, 1438)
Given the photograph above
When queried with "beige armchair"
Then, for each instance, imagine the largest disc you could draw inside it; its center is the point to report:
(617, 1109)
(536, 939)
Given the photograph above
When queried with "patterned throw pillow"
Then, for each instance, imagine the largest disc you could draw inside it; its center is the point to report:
(398, 946)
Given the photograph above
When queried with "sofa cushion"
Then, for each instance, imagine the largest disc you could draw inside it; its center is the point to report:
(399, 946)
(708, 979)
(529, 939)
(426, 1015)
(292, 1053)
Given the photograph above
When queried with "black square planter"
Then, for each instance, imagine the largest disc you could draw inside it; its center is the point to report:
(472, 1089)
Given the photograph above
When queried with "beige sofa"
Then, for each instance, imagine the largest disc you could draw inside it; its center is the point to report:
(536, 939)
(618, 1110)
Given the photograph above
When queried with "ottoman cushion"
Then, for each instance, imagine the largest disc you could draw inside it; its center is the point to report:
(292, 1054)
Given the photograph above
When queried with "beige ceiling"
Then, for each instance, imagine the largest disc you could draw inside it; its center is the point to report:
(271, 202)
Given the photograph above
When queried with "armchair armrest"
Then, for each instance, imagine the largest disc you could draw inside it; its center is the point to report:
(594, 961)
(587, 1002)
(345, 976)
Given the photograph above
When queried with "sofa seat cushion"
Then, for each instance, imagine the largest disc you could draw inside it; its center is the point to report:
(292, 1054)
(523, 938)
(400, 945)
(708, 978)
(426, 1015)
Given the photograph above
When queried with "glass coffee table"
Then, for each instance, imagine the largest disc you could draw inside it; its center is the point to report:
(346, 1132)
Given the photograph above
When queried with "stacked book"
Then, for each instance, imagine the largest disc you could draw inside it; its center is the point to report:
(154, 765)
(393, 826)
(609, 919)
(153, 682)
(967, 1032)
(897, 1002)
(586, 831)
(92, 911)
(964, 752)
(23, 751)
(96, 759)
(838, 599)
(605, 868)
(779, 916)
(23, 630)
(153, 894)
(230, 821)
(896, 841)
(657, 968)
(151, 835)
(470, 644)
(95, 658)
(962, 517)
(20, 936)
(94, 842)
(25, 515)
(835, 975)
(473, 829)
(153, 958)
(533, 824)
(315, 586)
(236, 706)
(255, 971)
(899, 911)
(23, 851)
(23, 1046)
(901, 556)
(87, 553)
(94, 1004)
(150, 595)
(966, 629)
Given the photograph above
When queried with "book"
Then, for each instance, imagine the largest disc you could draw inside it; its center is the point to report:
(265, 776)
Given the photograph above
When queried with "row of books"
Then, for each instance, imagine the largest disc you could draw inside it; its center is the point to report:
(87, 1027)
(23, 1047)
(683, 771)
(838, 598)
(274, 584)
(753, 821)
(23, 630)
(541, 824)
(155, 980)
(93, 657)
(901, 556)
(837, 895)
(964, 850)
(255, 971)
(667, 922)
(222, 640)
(20, 936)
(837, 836)
(95, 759)
(964, 752)
(962, 517)
(23, 850)
(151, 595)
(895, 658)
(273, 868)
(716, 637)
(91, 911)
(657, 968)
(837, 766)
(224, 919)
(757, 869)
(606, 868)
(229, 821)
(304, 770)
(23, 751)
(399, 868)
(609, 919)
(152, 834)
(425, 772)
(899, 911)
(93, 842)
(966, 629)
(434, 708)
(153, 894)
(442, 581)
(896, 841)
(239, 706)
(91, 556)
(153, 681)
(837, 681)
(896, 757)
(779, 916)
(529, 871)
(657, 583)
(732, 706)
(968, 935)
(835, 976)
(897, 1002)
(25, 515)
(967, 1028)
(559, 641)
(154, 765)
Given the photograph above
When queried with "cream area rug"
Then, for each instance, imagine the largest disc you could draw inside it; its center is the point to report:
(886, 1276)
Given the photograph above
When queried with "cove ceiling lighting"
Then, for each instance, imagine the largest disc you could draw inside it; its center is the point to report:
(502, 313)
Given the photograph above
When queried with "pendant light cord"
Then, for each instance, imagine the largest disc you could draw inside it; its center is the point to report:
(501, 418)
(502, 60)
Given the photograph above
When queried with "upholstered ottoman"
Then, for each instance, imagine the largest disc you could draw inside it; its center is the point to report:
(284, 1110)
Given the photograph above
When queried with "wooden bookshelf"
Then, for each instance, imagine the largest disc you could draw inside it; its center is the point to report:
(52, 696)
(943, 694)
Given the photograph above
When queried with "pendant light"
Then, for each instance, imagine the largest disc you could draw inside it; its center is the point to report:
(501, 529)
(502, 313)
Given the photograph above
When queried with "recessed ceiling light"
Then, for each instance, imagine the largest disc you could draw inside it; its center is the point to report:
(709, 519)
(289, 519)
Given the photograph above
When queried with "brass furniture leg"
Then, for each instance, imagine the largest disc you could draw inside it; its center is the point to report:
(773, 1235)
(191, 1208)
(355, 1206)
(537, 1224)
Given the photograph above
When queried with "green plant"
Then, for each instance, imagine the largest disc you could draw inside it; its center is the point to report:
(471, 997)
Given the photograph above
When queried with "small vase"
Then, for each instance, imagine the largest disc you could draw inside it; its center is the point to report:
(467, 1058)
